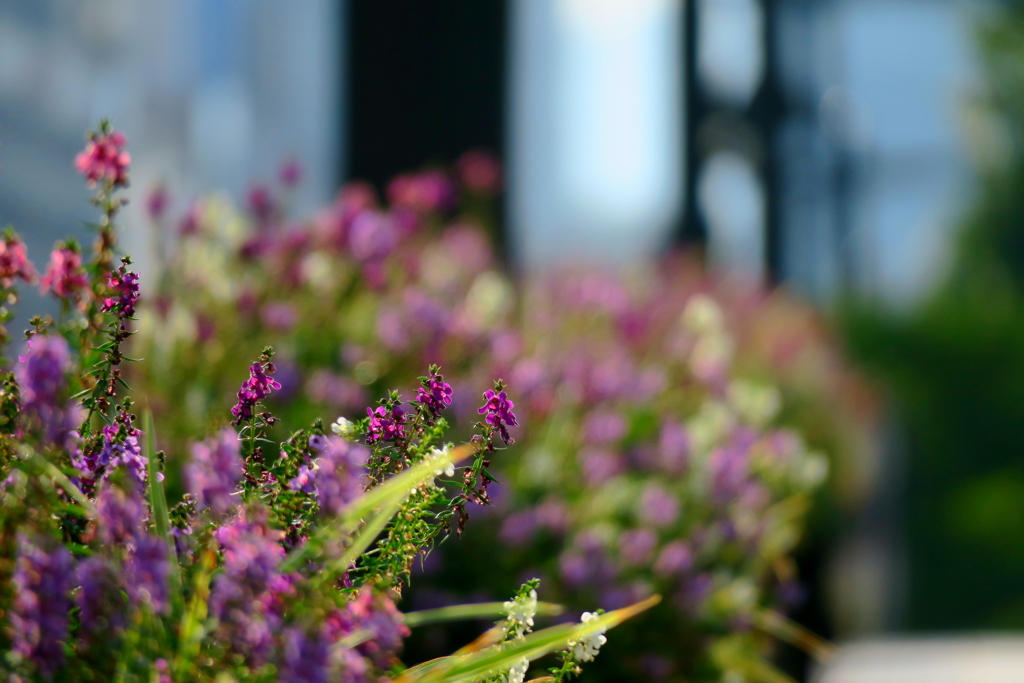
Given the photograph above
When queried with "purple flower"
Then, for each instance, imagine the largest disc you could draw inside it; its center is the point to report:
(658, 507)
(518, 528)
(40, 372)
(290, 173)
(125, 288)
(120, 517)
(377, 613)
(603, 427)
(498, 413)
(101, 603)
(121, 447)
(372, 236)
(261, 203)
(39, 620)
(148, 571)
(636, 546)
(214, 472)
(385, 425)
(255, 389)
(599, 465)
(341, 472)
(305, 659)
(279, 316)
(673, 447)
(243, 592)
(435, 394)
(675, 558)
(303, 481)
(157, 200)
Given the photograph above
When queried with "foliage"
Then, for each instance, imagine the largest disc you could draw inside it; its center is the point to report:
(670, 420)
(280, 562)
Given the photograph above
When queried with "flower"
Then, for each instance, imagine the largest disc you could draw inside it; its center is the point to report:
(340, 473)
(498, 413)
(148, 572)
(40, 371)
(101, 604)
(479, 171)
(255, 389)
(244, 590)
(64, 275)
(39, 619)
(377, 614)
(585, 648)
(120, 517)
(104, 159)
(306, 657)
(521, 612)
(214, 472)
(157, 200)
(261, 203)
(517, 672)
(121, 447)
(346, 429)
(657, 506)
(124, 285)
(290, 173)
(14, 263)
(385, 424)
(435, 394)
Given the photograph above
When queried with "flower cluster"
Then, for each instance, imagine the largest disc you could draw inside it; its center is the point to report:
(14, 263)
(435, 394)
(104, 159)
(284, 559)
(497, 412)
(124, 286)
(255, 389)
(64, 276)
(660, 409)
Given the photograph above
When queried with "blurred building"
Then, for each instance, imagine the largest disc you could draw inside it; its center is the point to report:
(210, 93)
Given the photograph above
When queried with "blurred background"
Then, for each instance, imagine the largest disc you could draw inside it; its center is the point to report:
(863, 154)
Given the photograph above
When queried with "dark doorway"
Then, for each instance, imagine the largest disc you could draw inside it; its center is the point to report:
(426, 82)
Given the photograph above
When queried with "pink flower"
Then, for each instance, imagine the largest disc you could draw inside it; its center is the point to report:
(65, 275)
(479, 171)
(14, 261)
(156, 202)
(104, 158)
(290, 173)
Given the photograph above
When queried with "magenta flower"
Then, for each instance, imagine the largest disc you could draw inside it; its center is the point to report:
(14, 263)
(101, 605)
(385, 424)
(435, 394)
(498, 415)
(64, 275)
(255, 389)
(290, 173)
(156, 202)
(104, 159)
(124, 285)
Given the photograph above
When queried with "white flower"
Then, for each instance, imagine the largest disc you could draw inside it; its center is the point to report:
(448, 469)
(517, 672)
(521, 612)
(346, 429)
(586, 648)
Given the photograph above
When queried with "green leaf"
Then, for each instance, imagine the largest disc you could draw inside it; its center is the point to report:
(479, 664)
(482, 610)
